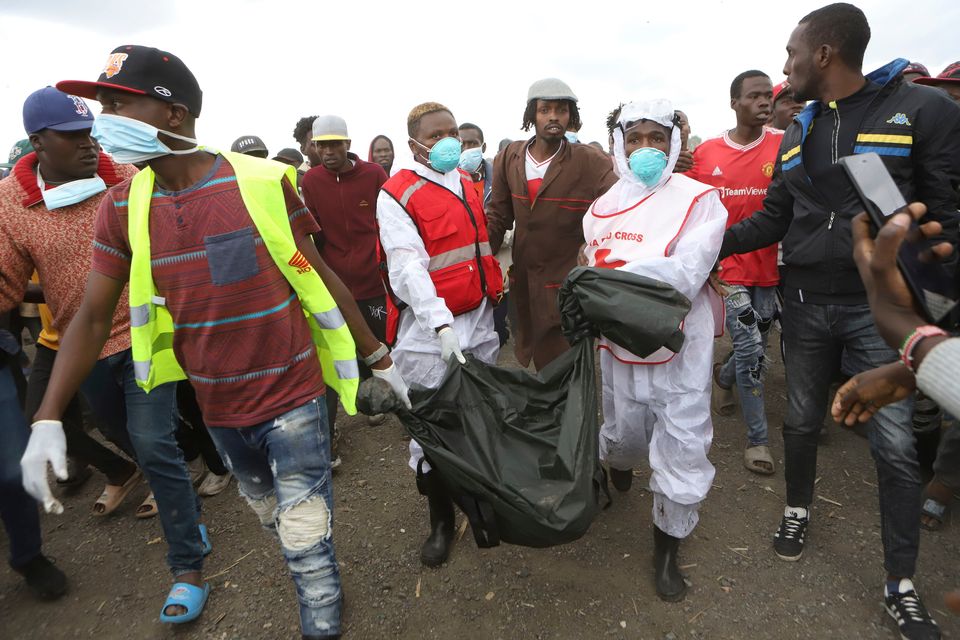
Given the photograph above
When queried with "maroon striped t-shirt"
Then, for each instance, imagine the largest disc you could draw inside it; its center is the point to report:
(240, 333)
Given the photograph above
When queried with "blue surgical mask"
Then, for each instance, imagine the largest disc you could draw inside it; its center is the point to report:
(130, 141)
(571, 137)
(648, 164)
(70, 193)
(444, 154)
(471, 159)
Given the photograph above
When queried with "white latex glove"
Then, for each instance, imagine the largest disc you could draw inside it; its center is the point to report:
(47, 444)
(392, 375)
(450, 345)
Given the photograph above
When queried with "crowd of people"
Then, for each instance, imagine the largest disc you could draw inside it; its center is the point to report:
(208, 312)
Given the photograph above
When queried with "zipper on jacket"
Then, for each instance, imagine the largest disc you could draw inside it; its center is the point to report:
(833, 215)
(476, 228)
(836, 134)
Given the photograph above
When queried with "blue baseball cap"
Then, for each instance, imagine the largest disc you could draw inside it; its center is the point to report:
(50, 108)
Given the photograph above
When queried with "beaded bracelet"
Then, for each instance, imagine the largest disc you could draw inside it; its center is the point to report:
(911, 341)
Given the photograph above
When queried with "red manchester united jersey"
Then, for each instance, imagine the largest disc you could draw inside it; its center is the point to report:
(742, 173)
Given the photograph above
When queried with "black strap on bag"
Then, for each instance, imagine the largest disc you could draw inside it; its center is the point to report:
(483, 520)
(601, 479)
(480, 515)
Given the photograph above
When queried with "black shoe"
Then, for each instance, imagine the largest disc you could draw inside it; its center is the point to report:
(622, 479)
(788, 540)
(671, 586)
(436, 548)
(44, 579)
(912, 618)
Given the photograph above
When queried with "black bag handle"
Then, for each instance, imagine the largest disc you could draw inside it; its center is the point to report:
(483, 520)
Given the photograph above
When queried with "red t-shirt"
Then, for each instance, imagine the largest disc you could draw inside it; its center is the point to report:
(241, 335)
(742, 173)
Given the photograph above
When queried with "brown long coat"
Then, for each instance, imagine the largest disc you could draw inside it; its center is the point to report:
(547, 238)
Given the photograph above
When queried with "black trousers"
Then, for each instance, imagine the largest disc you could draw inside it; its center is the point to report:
(192, 434)
(80, 445)
(375, 313)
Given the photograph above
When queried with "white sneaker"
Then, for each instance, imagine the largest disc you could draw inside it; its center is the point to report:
(214, 484)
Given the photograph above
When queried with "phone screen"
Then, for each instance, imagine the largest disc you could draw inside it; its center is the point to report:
(929, 281)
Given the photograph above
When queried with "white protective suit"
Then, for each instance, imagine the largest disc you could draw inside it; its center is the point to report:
(417, 350)
(659, 408)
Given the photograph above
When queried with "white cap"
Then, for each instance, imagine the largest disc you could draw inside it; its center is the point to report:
(330, 128)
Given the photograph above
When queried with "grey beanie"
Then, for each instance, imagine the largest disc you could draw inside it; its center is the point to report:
(550, 89)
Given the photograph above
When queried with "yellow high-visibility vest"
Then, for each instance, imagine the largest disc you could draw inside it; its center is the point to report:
(151, 325)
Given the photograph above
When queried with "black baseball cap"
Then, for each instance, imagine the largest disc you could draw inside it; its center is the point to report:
(289, 154)
(250, 145)
(145, 71)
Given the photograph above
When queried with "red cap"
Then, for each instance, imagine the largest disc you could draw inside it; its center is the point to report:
(779, 89)
(950, 75)
(915, 67)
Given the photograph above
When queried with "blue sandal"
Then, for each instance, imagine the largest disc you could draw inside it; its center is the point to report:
(187, 596)
(205, 539)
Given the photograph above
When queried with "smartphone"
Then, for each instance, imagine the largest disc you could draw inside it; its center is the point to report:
(929, 281)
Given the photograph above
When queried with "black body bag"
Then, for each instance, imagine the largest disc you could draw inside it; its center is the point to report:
(519, 451)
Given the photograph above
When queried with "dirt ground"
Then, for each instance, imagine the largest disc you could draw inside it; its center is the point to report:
(598, 587)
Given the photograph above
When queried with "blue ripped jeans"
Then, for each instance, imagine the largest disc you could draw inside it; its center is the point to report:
(283, 469)
(750, 312)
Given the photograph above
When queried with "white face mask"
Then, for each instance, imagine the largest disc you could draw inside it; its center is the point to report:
(130, 141)
(70, 193)
(471, 159)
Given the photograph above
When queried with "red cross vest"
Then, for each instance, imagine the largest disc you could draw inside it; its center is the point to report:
(454, 233)
(647, 228)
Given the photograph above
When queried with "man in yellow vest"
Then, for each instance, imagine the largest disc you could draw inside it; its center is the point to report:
(226, 290)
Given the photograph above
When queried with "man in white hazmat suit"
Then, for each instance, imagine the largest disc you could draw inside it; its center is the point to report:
(443, 281)
(665, 226)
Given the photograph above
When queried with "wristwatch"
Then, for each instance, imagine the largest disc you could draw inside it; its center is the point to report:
(376, 355)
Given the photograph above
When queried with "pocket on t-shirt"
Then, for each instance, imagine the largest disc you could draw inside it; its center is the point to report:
(232, 257)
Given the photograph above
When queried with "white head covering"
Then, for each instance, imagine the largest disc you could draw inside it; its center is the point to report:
(659, 111)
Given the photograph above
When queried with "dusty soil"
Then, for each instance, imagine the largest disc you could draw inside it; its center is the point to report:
(599, 587)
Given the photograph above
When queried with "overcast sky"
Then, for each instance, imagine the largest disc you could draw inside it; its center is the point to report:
(264, 64)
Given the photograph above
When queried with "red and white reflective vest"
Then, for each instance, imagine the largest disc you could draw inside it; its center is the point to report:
(454, 233)
(648, 228)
